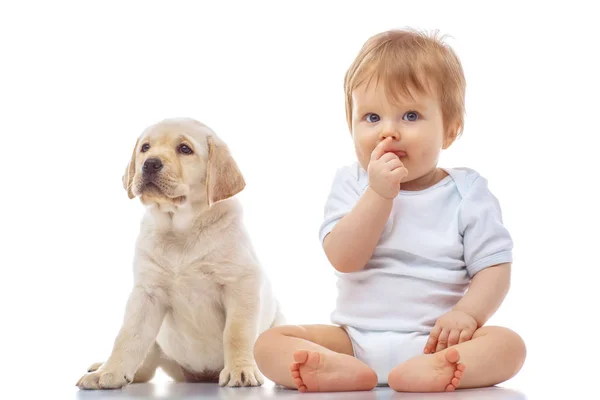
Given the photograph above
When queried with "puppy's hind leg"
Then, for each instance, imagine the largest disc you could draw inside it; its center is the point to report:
(172, 368)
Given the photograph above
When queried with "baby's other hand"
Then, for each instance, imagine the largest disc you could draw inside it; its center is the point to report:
(452, 328)
(386, 171)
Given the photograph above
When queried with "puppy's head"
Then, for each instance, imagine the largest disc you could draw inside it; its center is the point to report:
(181, 160)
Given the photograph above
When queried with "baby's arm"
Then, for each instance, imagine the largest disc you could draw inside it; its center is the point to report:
(486, 292)
(486, 242)
(353, 239)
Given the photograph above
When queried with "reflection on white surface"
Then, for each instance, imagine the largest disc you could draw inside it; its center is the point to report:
(213, 391)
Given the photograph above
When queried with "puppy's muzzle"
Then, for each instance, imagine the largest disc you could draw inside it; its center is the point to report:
(151, 167)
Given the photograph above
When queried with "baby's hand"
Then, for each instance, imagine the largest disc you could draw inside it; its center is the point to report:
(451, 328)
(385, 171)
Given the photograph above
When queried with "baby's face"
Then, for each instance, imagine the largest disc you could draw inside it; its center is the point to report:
(415, 126)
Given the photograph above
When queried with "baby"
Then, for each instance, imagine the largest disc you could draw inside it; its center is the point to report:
(407, 239)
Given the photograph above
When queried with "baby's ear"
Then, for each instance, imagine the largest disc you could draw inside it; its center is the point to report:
(452, 134)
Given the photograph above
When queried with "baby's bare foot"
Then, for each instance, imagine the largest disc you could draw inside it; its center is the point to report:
(330, 372)
(439, 372)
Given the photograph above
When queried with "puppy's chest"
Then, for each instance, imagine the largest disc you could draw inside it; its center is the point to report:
(189, 272)
(177, 256)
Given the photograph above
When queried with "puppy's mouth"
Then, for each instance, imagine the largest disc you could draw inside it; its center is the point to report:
(161, 188)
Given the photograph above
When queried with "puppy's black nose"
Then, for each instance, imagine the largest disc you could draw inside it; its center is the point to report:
(152, 165)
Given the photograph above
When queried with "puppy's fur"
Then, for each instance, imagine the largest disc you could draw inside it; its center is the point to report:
(200, 297)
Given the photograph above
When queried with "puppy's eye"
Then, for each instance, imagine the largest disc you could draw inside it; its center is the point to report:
(145, 147)
(185, 149)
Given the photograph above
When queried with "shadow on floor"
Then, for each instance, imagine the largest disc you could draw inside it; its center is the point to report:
(213, 391)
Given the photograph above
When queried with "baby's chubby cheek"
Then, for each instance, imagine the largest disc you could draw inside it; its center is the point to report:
(423, 161)
(429, 155)
(363, 155)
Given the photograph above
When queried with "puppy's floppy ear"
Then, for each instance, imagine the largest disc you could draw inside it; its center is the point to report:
(223, 177)
(129, 172)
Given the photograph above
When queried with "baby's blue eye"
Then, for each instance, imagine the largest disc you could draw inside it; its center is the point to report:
(372, 117)
(411, 116)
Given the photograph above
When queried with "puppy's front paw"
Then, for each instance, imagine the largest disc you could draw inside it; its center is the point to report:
(244, 375)
(94, 367)
(103, 380)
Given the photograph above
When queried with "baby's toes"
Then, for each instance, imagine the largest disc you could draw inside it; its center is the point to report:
(452, 356)
(301, 387)
(301, 356)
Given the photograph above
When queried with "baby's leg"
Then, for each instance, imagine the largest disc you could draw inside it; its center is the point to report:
(313, 358)
(492, 356)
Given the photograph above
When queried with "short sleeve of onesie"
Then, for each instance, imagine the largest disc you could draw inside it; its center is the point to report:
(486, 240)
(344, 194)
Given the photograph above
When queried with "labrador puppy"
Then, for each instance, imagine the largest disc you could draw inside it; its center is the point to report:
(200, 297)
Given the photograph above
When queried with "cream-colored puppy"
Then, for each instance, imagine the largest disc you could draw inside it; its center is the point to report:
(200, 297)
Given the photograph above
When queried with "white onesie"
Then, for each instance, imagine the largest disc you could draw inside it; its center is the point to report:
(433, 243)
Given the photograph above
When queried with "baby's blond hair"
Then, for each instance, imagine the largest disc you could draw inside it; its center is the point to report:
(405, 60)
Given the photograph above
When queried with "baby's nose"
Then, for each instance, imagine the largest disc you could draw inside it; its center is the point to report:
(390, 133)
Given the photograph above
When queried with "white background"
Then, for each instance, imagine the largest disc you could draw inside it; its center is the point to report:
(80, 81)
